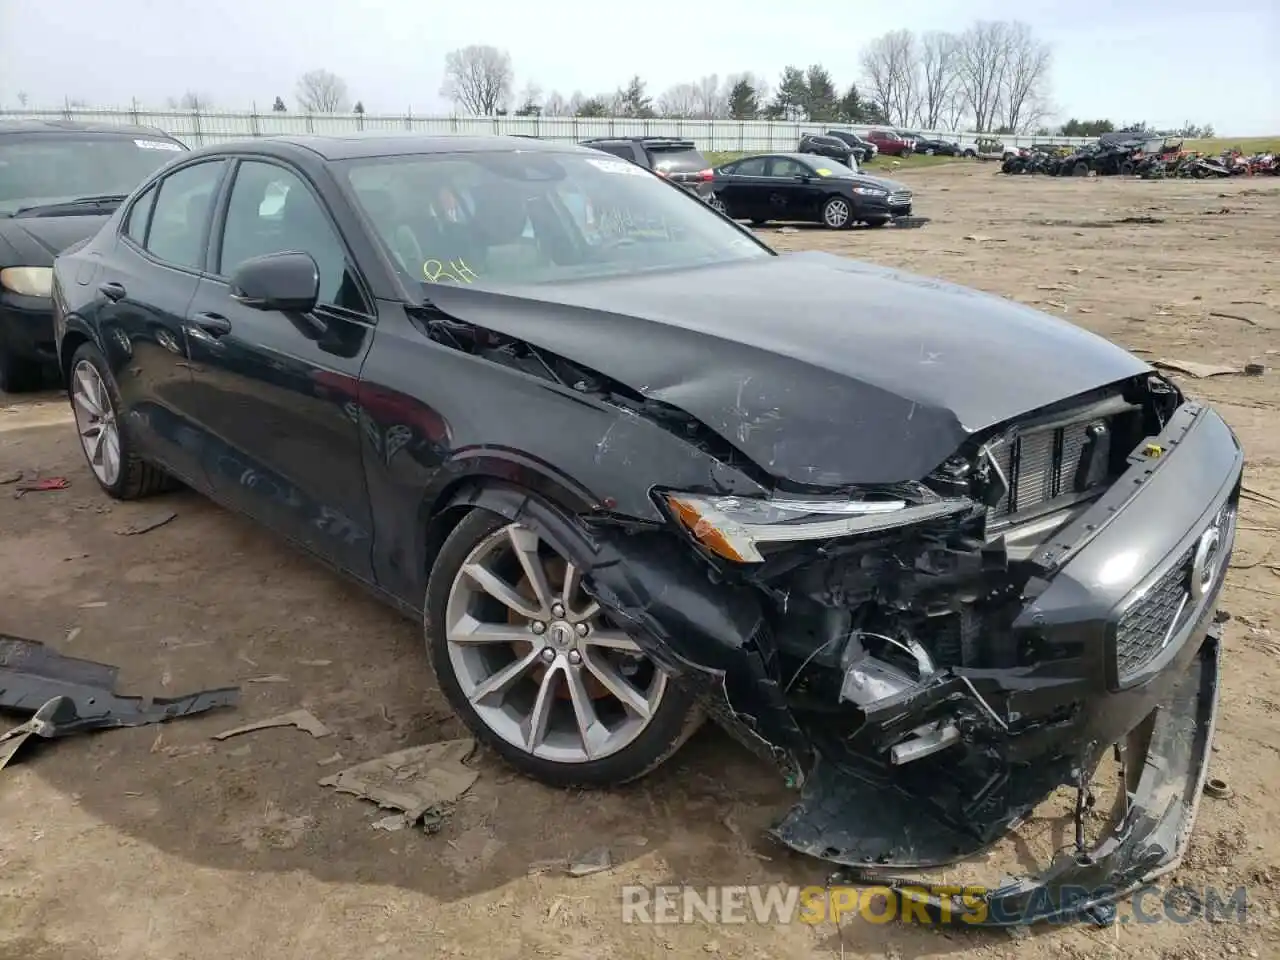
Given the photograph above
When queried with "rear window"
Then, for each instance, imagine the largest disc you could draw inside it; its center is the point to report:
(677, 159)
(42, 168)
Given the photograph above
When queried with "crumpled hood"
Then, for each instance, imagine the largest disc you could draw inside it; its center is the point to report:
(823, 370)
(880, 183)
(35, 241)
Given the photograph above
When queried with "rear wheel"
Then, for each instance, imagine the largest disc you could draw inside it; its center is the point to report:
(717, 204)
(971, 154)
(536, 669)
(836, 213)
(1126, 169)
(107, 446)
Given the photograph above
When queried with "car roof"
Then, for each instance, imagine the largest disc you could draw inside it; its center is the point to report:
(80, 126)
(380, 144)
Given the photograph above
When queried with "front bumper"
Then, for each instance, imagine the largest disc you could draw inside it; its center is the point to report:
(26, 327)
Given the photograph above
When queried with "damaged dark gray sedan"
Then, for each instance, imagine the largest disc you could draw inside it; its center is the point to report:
(931, 552)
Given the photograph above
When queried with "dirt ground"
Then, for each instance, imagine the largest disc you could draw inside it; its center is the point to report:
(160, 842)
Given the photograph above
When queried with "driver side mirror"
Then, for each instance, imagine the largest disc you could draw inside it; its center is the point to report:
(289, 282)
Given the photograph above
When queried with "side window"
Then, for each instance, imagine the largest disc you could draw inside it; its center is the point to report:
(273, 211)
(784, 167)
(753, 167)
(181, 214)
(135, 224)
(623, 150)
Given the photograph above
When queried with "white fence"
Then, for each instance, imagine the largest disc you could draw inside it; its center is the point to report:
(197, 128)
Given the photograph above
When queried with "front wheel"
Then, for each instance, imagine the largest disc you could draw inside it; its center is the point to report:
(836, 213)
(715, 203)
(970, 154)
(107, 445)
(1080, 170)
(537, 670)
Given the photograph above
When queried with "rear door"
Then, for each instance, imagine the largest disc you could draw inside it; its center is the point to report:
(147, 281)
(279, 391)
(790, 197)
(743, 188)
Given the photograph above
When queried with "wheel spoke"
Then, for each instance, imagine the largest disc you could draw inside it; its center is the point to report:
(572, 580)
(99, 445)
(491, 584)
(611, 639)
(525, 544)
(469, 630)
(496, 686)
(583, 710)
(534, 727)
(631, 698)
(87, 393)
(100, 393)
(111, 458)
(82, 401)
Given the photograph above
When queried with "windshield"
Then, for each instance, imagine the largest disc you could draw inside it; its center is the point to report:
(38, 168)
(494, 219)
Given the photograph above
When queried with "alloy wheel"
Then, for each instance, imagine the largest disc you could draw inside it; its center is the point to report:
(538, 659)
(716, 204)
(835, 213)
(96, 422)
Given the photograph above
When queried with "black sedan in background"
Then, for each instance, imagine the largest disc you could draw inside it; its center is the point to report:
(802, 187)
(59, 181)
(629, 466)
(936, 146)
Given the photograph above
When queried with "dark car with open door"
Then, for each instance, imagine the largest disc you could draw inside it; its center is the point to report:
(59, 181)
(804, 188)
(929, 552)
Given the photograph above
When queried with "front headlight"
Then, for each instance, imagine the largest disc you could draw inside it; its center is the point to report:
(28, 281)
(734, 527)
(871, 192)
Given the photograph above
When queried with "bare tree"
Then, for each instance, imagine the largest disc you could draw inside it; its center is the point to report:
(679, 101)
(937, 76)
(529, 102)
(555, 105)
(1025, 96)
(23, 97)
(478, 79)
(710, 101)
(189, 101)
(892, 67)
(320, 91)
(982, 70)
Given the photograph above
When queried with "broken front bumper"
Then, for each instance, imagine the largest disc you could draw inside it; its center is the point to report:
(1166, 762)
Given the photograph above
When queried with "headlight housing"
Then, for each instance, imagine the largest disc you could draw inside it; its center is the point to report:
(871, 192)
(28, 281)
(736, 527)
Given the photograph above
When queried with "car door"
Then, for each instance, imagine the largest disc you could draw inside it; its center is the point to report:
(743, 188)
(147, 281)
(279, 391)
(791, 190)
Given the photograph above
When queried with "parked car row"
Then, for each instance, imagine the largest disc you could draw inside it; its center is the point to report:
(59, 181)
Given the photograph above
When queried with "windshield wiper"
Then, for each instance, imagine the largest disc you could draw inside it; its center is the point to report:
(69, 206)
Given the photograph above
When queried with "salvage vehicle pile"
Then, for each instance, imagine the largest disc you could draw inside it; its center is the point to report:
(1125, 154)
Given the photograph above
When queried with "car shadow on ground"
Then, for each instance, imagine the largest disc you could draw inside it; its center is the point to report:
(209, 599)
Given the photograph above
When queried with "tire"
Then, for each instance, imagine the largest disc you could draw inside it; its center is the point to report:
(1080, 170)
(1126, 169)
(971, 154)
(929, 152)
(906, 153)
(18, 375)
(837, 213)
(715, 203)
(625, 754)
(134, 478)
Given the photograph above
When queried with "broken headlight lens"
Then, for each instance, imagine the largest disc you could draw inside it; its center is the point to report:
(736, 527)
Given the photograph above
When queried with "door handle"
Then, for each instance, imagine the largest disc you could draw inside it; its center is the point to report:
(112, 291)
(213, 324)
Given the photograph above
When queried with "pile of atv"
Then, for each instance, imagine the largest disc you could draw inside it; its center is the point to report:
(1238, 164)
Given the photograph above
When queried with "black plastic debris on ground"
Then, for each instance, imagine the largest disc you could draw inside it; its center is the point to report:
(67, 695)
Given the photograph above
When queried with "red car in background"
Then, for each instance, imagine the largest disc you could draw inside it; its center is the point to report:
(890, 143)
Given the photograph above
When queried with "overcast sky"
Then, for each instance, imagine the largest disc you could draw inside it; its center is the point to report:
(1166, 62)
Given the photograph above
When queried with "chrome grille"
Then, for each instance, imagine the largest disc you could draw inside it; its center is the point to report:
(1145, 627)
(899, 197)
(1041, 465)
